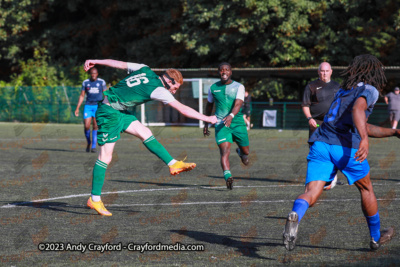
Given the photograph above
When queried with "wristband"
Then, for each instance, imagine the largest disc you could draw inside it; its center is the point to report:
(231, 114)
(309, 118)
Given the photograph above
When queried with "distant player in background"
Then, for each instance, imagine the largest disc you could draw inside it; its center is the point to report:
(341, 143)
(317, 98)
(246, 110)
(93, 88)
(113, 117)
(393, 101)
(228, 96)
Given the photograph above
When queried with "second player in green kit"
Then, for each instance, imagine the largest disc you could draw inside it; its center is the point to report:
(228, 96)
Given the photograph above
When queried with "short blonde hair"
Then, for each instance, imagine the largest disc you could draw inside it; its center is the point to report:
(176, 75)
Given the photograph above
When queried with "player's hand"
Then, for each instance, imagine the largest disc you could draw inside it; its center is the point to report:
(77, 112)
(88, 64)
(312, 123)
(228, 120)
(362, 151)
(212, 119)
(206, 132)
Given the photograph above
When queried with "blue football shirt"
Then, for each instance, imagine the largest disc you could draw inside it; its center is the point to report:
(94, 90)
(338, 127)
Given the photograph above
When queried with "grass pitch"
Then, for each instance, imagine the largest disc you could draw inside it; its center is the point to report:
(46, 181)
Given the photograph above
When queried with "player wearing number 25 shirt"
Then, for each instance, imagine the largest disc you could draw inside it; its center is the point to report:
(341, 143)
(113, 117)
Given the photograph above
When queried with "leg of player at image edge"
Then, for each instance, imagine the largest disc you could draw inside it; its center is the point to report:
(300, 207)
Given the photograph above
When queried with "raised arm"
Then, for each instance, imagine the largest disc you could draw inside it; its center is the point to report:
(360, 121)
(191, 113)
(90, 63)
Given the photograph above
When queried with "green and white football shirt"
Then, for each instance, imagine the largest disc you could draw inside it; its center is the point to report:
(224, 96)
(140, 86)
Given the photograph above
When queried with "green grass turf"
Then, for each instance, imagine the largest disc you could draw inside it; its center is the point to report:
(242, 227)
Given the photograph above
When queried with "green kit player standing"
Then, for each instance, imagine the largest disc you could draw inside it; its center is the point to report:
(228, 96)
(113, 118)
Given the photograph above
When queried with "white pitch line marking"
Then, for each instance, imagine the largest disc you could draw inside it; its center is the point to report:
(231, 202)
(20, 204)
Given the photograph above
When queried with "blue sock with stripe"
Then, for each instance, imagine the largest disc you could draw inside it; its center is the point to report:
(87, 135)
(374, 225)
(94, 138)
(300, 206)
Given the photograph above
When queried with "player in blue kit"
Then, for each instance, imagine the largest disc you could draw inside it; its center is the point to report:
(93, 88)
(341, 143)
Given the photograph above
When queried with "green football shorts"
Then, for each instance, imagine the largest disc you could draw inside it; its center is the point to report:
(111, 123)
(235, 133)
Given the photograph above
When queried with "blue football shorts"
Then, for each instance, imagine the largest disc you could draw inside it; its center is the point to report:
(324, 160)
(89, 111)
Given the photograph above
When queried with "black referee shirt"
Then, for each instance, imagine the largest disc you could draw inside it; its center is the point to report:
(319, 95)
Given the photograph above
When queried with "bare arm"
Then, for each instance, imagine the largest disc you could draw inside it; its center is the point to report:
(90, 63)
(360, 121)
(380, 132)
(80, 101)
(191, 113)
(307, 113)
(228, 119)
(209, 108)
(386, 100)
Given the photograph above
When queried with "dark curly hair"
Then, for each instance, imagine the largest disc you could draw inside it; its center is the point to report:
(364, 68)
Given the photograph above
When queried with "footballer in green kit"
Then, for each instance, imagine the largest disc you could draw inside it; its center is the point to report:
(113, 118)
(228, 96)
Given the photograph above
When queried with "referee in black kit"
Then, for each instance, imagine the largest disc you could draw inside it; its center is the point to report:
(317, 99)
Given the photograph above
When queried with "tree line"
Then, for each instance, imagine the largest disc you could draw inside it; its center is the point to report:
(45, 42)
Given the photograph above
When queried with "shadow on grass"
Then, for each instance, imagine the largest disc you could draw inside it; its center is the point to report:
(62, 207)
(257, 179)
(245, 248)
(59, 150)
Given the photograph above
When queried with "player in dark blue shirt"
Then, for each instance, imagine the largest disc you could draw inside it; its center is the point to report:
(341, 143)
(93, 88)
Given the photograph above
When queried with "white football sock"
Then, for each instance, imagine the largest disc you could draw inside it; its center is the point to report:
(96, 198)
(172, 162)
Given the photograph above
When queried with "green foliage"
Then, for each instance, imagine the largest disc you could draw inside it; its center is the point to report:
(45, 42)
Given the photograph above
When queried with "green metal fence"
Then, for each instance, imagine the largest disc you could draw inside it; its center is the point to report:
(57, 104)
(290, 115)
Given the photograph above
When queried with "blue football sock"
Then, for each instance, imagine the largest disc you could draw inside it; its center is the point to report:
(87, 134)
(94, 138)
(300, 206)
(374, 225)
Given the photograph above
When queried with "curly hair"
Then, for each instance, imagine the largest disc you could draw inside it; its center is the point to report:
(364, 68)
(176, 75)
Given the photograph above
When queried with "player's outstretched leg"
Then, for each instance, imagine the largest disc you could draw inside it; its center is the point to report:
(150, 142)
(370, 209)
